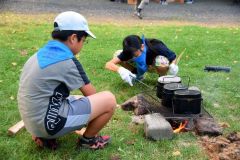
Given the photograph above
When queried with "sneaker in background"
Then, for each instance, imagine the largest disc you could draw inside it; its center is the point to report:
(189, 1)
(138, 14)
(164, 3)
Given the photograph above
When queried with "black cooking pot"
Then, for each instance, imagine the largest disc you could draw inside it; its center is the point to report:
(168, 92)
(166, 80)
(187, 102)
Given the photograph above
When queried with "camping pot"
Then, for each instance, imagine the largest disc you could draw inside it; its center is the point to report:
(166, 80)
(168, 92)
(187, 102)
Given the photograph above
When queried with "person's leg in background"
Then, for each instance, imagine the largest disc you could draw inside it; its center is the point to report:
(140, 6)
(137, 4)
(138, 11)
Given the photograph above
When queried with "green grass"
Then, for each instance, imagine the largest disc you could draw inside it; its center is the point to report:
(204, 46)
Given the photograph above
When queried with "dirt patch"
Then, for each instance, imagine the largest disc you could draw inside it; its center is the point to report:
(222, 147)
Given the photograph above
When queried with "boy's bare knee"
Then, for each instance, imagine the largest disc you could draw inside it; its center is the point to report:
(111, 100)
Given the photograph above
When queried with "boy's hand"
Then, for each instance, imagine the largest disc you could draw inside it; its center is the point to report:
(126, 75)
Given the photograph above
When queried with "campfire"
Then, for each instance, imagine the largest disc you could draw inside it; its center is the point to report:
(162, 122)
(179, 125)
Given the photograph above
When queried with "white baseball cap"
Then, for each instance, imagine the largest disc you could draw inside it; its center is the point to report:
(74, 21)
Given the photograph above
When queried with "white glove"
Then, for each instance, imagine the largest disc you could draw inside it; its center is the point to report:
(173, 69)
(126, 75)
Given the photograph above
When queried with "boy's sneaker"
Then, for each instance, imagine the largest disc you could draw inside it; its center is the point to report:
(98, 142)
(48, 143)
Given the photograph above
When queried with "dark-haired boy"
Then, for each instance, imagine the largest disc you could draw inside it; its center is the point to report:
(146, 54)
(44, 100)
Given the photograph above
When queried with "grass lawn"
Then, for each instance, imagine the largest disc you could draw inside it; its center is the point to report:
(22, 37)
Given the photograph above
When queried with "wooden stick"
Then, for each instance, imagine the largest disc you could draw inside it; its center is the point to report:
(14, 129)
(180, 56)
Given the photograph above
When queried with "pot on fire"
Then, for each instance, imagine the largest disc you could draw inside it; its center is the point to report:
(166, 80)
(168, 92)
(187, 102)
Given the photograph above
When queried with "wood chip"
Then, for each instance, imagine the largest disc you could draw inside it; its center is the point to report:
(16, 128)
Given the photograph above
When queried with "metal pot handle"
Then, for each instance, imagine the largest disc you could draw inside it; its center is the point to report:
(188, 80)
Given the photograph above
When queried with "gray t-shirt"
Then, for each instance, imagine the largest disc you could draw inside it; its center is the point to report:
(42, 94)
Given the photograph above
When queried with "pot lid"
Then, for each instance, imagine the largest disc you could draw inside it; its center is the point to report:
(169, 79)
(174, 86)
(187, 93)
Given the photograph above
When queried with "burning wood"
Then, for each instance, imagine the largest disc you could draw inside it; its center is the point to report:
(181, 127)
(140, 105)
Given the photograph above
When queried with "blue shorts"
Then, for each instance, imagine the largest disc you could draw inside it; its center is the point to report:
(78, 115)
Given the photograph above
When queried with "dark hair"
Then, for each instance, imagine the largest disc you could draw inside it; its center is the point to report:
(64, 34)
(131, 44)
